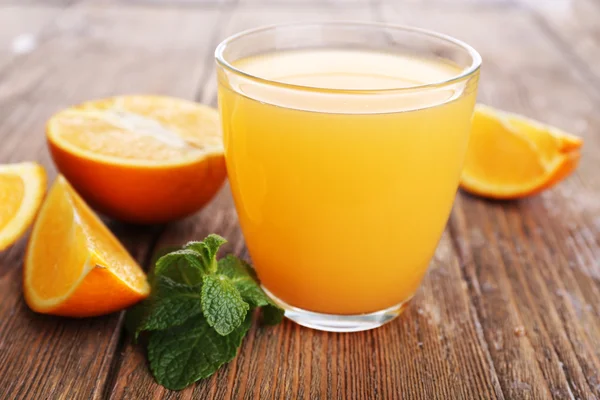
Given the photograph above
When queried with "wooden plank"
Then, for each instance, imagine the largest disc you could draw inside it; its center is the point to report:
(574, 28)
(34, 3)
(436, 350)
(92, 50)
(531, 264)
(313, 4)
(511, 304)
(461, 4)
(176, 3)
(21, 30)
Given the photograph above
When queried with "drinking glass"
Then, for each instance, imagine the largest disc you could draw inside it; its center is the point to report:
(344, 144)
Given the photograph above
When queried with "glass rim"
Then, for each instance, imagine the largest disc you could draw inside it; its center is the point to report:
(466, 73)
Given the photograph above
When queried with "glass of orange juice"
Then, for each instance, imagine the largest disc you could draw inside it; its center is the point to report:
(344, 145)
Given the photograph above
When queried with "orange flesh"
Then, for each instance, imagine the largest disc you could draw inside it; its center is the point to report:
(107, 249)
(72, 241)
(142, 159)
(139, 128)
(60, 253)
(487, 155)
(12, 191)
(101, 138)
(511, 156)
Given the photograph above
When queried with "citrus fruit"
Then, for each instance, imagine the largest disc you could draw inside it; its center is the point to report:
(142, 159)
(22, 188)
(74, 266)
(510, 156)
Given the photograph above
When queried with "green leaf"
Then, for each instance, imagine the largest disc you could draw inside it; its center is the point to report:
(155, 257)
(135, 316)
(272, 314)
(245, 281)
(197, 313)
(208, 249)
(171, 304)
(182, 266)
(222, 304)
(181, 355)
(214, 242)
(163, 252)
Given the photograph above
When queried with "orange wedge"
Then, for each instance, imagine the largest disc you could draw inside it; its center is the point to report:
(22, 188)
(142, 159)
(510, 156)
(74, 265)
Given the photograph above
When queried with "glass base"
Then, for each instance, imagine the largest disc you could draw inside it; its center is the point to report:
(339, 323)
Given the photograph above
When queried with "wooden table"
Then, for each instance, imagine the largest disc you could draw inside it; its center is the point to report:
(510, 308)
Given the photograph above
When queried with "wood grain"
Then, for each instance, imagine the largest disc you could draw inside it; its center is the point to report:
(573, 26)
(21, 30)
(510, 308)
(517, 277)
(89, 51)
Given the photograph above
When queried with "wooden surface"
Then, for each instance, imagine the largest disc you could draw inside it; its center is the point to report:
(510, 308)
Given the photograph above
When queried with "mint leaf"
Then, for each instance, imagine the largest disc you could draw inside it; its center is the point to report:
(135, 316)
(208, 249)
(214, 242)
(197, 313)
(171, 304)
(163, 252)
(181, 355)
(243, 277)
(272, 314)
(155, 257)
(222, 304)
(182, 266)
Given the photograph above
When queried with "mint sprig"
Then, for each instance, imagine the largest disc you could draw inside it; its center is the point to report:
(222, 304)
(171, 304)
(245, 281)
(198, 312)
(184, 354)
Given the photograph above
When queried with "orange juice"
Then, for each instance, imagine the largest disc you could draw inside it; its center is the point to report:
(343, 177)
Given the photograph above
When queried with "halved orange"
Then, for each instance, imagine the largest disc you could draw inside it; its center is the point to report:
(510, 156)
(74, 265)
(143, 159)
(22, 188)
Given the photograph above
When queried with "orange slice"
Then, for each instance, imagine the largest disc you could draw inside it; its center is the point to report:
(143, 159)
(510, 156)
(74, 265)
(22, 188)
